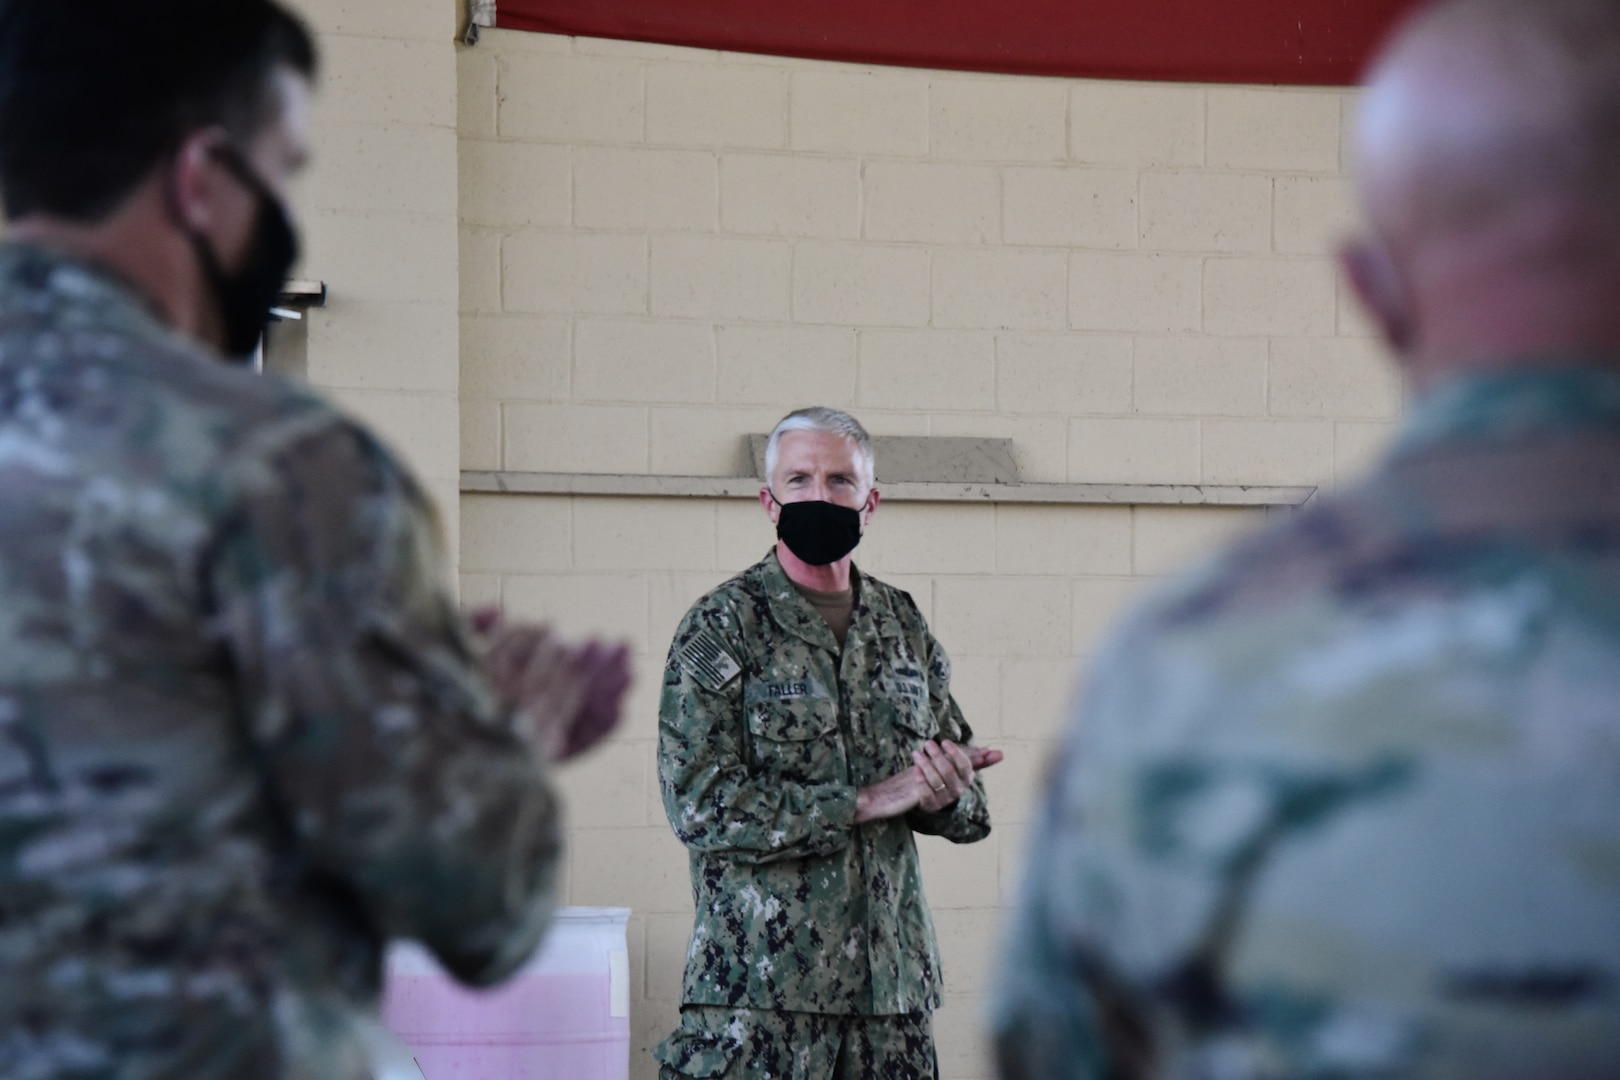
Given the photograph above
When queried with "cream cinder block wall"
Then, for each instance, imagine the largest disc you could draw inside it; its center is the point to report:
(663, 250)
(379, 219)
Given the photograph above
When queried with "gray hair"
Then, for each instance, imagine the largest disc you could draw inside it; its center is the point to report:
(832, 421)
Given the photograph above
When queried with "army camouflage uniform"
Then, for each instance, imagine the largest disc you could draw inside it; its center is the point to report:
(243, 736)
(1345, 803)
(766, 731)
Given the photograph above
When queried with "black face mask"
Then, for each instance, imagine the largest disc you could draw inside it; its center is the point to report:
(818, 532)
(245, 298)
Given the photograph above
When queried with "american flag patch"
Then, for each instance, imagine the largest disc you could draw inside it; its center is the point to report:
(707, 661)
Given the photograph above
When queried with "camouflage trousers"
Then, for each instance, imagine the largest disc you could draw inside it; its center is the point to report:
(757, 1044)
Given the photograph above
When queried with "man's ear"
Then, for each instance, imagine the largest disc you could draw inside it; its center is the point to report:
(1377, 285)
(872, 499)
(194, 181)
(773, 509)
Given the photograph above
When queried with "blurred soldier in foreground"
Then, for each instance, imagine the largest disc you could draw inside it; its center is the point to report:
(805, 733)
(244, 736)
(1345, 802)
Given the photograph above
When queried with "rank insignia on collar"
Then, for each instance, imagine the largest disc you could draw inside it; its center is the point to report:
(707, 661)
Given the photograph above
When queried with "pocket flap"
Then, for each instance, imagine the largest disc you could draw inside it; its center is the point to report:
(698, 1053)
(791, 721)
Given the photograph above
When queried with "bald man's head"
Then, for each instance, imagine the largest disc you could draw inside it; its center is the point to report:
(1488, 149)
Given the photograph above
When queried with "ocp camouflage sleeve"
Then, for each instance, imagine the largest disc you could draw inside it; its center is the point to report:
(393, 769)
(1344, 802)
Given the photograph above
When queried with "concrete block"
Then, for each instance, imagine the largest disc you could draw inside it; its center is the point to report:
(1074, 206)
(969, 939)
(475, 591)
(1100, 603)
(744, 535)
(939, 370)
(931, 202)
(386, 80)
(501, 42)
(1270, 297)
(704, 105)
(632, 188)
(1014, 858)
(688, 441)
(1017, 784)
(424, 429)
(644, 534)
(1285, 129)
(1119, 450)
(844, 111)
(515, 534)
(1349, 108)
(930, 538)
(513, 358)
(385, 346)
(1315, 214)
(480, 435)
(960, 876)
(1169, 538)
(574, 438)
(480, 266)
(514, 185)
(642, 50)
(1140, 124)
(963, 1044)
(860, 284)
(477, 93)
(782, 366)
(381, 256)
(596, 273)
(1040, 444)
(662, 362)
(713, 277)
(975, 685)
(668, 937)
(1267, 452)
(607, 867)
(368, 18)
(1063, 373)
(612, 607)
(1001, 288)
(1358, 447)
(571, 99)
(1036, 699)
(1334, 377)
(790, 195)
(384, 169)
(1208, 212)
(998, 118)
(1001, 616)
(1062, 540)
(1200, 376)
(606, 788)
(1147, 294)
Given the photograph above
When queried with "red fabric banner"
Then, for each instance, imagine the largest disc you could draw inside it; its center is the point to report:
(1309, 42)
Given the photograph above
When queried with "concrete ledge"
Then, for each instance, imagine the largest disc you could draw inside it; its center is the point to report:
(635, 485)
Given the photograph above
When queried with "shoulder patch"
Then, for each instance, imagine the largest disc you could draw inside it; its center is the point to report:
(707, 661)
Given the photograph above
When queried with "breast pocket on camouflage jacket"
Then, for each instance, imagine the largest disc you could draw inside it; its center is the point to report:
(903, 722)
(797, 739)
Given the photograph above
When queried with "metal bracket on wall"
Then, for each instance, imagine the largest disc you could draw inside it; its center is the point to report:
(480, 13)
(298, 297)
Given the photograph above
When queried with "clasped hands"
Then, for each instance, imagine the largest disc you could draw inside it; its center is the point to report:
(570, 696)
(940, 774)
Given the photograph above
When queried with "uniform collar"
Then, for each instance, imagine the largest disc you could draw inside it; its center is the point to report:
(1507, 405)
(872, 616)
(34, 278)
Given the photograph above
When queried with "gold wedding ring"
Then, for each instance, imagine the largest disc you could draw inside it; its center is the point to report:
(937, 787)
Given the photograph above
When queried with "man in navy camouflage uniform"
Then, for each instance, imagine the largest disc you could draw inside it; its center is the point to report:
(1345, 802)
(806, 733)
(244, 736)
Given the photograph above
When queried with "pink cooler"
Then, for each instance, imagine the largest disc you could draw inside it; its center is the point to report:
(564, 1016)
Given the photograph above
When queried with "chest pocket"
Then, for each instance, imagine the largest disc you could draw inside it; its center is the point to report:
(796, 739)
(903, 721)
